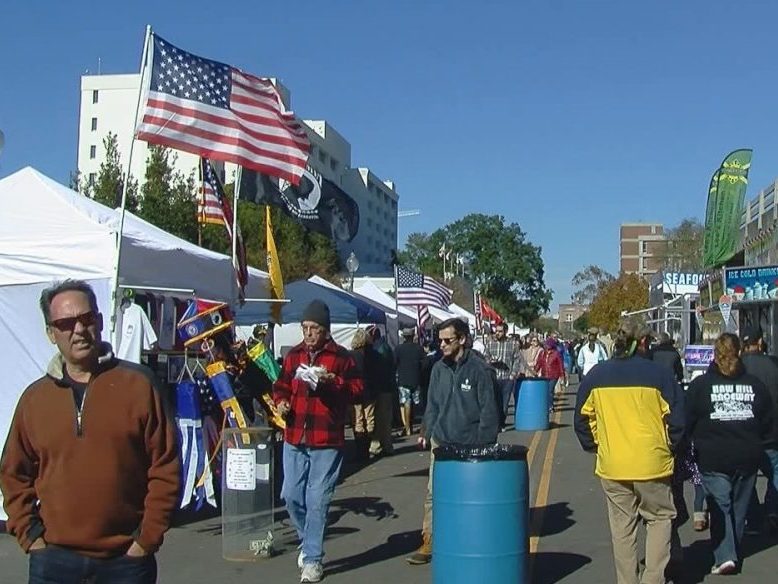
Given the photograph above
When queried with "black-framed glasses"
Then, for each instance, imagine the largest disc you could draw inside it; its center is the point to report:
(448, 340)
(69, 323)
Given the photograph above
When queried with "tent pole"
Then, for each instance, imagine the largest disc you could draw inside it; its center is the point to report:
(123, 207)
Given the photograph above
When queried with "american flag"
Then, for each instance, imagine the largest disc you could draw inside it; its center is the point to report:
(209, 207)
(214, 110)
(415, 289)
(212, 183)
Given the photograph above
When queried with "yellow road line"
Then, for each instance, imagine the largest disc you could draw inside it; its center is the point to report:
(533, 447)
(543, 487)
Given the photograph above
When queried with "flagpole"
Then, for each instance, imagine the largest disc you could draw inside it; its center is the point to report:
(235, 267)
(123, 206)
(200, 208)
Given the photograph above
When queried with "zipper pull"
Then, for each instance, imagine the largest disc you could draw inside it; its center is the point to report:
(78, 424)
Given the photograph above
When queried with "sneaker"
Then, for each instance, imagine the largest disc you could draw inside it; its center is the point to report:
(728, 567)
(312, 572)
(700, 521)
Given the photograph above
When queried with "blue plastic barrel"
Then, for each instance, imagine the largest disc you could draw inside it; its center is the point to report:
(480, 518)
(532, 395)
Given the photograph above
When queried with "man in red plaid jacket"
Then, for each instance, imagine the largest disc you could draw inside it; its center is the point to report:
(319, 381)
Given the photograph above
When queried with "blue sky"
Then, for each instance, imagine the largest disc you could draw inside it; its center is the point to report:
(568, 117)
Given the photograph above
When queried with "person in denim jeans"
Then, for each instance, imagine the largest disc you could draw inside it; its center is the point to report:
(729, 416)
(319, 381)
(764, 368)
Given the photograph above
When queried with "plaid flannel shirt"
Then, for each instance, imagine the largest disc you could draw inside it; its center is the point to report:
(505, 357)
(317, 417)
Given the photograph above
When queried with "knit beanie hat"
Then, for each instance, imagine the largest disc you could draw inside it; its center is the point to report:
(318, 312)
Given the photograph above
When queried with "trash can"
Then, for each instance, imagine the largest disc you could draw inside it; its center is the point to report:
(480, 514)
(532, 405)
(247, 493)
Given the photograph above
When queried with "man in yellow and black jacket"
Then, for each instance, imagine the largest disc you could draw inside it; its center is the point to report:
(630, 413)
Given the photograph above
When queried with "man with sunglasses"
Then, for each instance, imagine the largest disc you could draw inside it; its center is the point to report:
(463, 407)
(90, 468)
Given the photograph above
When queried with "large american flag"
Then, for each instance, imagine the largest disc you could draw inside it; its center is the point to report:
(212, 184)
(217, 111)
(415, 289)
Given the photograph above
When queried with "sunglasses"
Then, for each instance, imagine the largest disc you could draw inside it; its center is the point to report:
(69, 323)
(448, 340)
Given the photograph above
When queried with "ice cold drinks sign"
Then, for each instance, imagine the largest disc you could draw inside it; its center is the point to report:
(748, 284)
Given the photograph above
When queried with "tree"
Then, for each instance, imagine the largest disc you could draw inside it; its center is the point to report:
(544, 325)
(109, 185)
(581, 324)
(588, 283)
(501, 263)
(168, 200)
(628, 292)
(684, 247)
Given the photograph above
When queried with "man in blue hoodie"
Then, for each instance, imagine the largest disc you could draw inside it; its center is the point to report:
(463, 408)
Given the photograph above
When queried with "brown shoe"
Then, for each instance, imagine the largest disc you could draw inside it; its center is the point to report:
(423, 555)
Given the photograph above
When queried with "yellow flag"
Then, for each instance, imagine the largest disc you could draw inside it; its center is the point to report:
(273, 268)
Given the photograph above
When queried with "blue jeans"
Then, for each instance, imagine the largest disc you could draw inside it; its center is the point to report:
(728, 497)
(58, 565)
(310, 476)
(769, 467)
(506, 391)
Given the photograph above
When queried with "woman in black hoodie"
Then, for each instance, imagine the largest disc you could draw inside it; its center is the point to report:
(729, 416)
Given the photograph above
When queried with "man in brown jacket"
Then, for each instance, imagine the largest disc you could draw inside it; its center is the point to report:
(90, 469)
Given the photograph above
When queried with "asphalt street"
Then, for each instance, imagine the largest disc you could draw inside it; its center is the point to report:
(376, 515)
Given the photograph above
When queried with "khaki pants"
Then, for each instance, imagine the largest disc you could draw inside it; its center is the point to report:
(426, 523)
(364, 418)
(382, 439)
(628, 502)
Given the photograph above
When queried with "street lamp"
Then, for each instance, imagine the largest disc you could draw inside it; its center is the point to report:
(352, 265)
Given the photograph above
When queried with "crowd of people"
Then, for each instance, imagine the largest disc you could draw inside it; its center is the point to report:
(95, 420)
(649, 436)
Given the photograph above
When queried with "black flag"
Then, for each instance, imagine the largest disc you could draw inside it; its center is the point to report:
(316, 203)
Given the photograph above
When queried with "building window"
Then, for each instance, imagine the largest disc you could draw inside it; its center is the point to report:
(333, 164)
(569, 317)
(92, 178)
(93, 152)
(94, 124)
(323, 156)
(95, 96)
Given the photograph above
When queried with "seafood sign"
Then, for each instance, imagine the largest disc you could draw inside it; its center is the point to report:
(749, 284)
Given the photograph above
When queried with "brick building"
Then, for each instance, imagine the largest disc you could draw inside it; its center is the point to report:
(642, 248)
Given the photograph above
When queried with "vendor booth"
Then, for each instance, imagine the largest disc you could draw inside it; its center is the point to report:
(753, 291)
(347, 313)
(49, 232)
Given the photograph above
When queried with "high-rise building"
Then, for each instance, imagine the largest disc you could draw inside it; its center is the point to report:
(108, 104)
(642, 248)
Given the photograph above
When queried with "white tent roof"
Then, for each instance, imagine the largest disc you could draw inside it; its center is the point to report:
(439, 315)
(461, 312)
(374, 293)
(49, 232)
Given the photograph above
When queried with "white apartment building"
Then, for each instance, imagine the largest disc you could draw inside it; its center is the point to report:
(108, 104)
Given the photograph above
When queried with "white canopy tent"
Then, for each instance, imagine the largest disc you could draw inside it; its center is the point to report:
(49, 232)
(469, 317)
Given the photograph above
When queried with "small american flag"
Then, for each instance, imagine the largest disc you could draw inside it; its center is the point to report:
(212, 184)
(214, 110)
(415, 289)
(209, 208)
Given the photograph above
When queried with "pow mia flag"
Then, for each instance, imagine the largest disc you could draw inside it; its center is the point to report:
(316, 203)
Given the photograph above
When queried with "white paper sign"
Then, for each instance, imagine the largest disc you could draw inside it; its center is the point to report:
(263, 473)
(240, 474)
